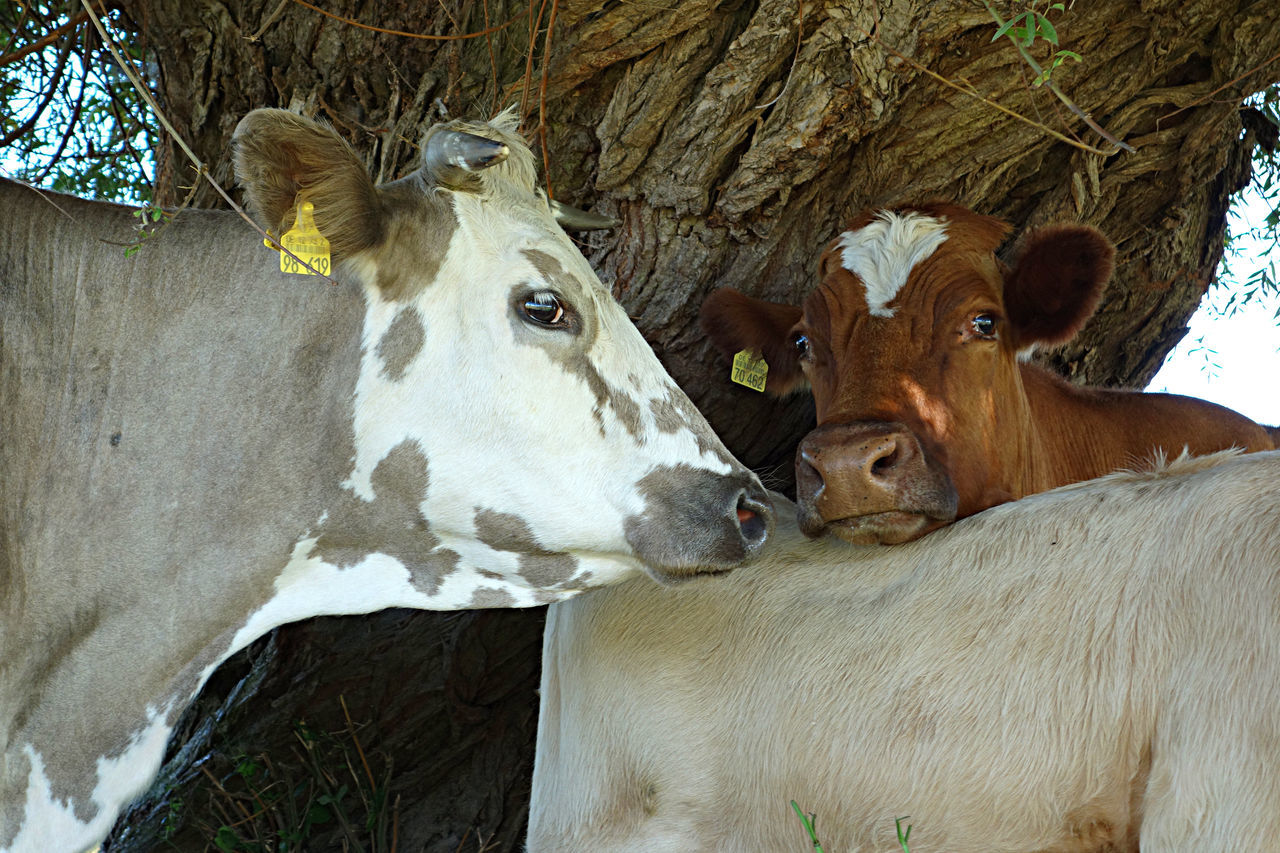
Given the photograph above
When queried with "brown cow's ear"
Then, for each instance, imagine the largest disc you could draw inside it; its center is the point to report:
(279, 155)
(735, 322)
(1056, 283)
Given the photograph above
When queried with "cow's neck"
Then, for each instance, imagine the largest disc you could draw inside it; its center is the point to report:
(1087, 432)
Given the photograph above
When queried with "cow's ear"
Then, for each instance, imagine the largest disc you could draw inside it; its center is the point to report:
(735, 322)
(1056, 283)
(280, 156)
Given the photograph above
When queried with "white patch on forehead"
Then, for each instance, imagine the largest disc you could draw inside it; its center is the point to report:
(883, 253)
(51, 824)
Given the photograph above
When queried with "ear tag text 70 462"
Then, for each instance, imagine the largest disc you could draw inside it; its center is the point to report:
(305, 241)
(749, 370)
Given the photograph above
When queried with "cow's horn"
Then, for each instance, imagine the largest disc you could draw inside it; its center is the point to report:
(572, 219)
(452, 155)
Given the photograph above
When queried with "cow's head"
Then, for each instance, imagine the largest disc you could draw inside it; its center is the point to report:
(505, 406)
(910, 345)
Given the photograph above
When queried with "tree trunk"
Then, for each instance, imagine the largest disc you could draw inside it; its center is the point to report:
(732, 140)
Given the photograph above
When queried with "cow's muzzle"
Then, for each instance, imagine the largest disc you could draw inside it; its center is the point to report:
(870, 483)
(697, 522)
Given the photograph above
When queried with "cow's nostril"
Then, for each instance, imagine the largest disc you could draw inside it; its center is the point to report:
(882, 465)
(808, 472)
(752, 520)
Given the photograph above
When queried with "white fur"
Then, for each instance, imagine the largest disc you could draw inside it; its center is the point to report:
(49, 825)
(883, 253)
(504, 428)
(1018, 681)
(483, 405)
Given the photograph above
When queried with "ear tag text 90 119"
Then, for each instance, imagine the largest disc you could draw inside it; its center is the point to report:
(305, 241)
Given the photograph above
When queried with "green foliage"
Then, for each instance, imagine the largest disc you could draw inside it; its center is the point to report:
(1253, 224)
(69, 119)
(1025, 28)
(807, 821)
(902, 836)
(270, 808)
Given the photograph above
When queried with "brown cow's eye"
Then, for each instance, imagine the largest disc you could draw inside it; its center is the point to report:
(544, 308)
(801, 342)
(984, 326)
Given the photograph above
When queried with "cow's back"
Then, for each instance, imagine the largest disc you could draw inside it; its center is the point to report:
(1032, 678)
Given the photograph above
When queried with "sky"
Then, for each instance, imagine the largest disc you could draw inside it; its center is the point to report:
(1233, 360)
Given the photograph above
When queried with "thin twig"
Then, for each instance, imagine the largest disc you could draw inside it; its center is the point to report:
(186, 149)
(972, 93)
(542, 101)
(493, 59)
(70, 129)
(1053, 87)
(1231, 82)
(30, 123)
(352, 23)
(270, 19)
(54, 35)
(351, 729)
(534, 26)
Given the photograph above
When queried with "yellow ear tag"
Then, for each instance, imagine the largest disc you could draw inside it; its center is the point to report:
(305, 241)
(749, 370)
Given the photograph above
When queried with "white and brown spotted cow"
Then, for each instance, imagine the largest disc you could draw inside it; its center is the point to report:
(196, 448)
(1094, 669)
(911, 346)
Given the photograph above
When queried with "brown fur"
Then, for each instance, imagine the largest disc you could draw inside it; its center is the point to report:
(735, 322)
(1057, 283)
(961, 406)
(280, 157)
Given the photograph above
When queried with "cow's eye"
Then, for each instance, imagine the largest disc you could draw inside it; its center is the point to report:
(801, 342)
(544, 308)
(984, 326)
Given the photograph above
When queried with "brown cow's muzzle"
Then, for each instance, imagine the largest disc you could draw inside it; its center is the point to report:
(870, 483)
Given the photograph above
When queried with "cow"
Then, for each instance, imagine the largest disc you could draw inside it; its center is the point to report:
(1093, 668)
(913, 343)
(196, 447)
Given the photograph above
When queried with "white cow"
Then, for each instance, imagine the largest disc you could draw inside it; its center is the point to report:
(196, 447)
(1095, 668)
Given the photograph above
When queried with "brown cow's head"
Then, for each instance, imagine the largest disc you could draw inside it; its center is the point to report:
(910, 345)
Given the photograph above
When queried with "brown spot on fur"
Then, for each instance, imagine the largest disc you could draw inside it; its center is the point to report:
(486, 597)
(390, 524)
(400, 343)
(420, 227)
(676, 412)
(540, 567)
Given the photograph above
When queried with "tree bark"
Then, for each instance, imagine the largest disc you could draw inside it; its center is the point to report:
(732, 140)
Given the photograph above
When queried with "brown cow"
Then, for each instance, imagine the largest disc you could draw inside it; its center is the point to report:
(911, 345)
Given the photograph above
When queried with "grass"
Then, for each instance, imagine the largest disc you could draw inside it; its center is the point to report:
(332, 791)
(808, 822)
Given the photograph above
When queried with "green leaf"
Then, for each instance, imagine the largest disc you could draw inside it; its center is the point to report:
(226, 839)
(1045, 30)
(1004, 28)
(318, 814)
(902, 836)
